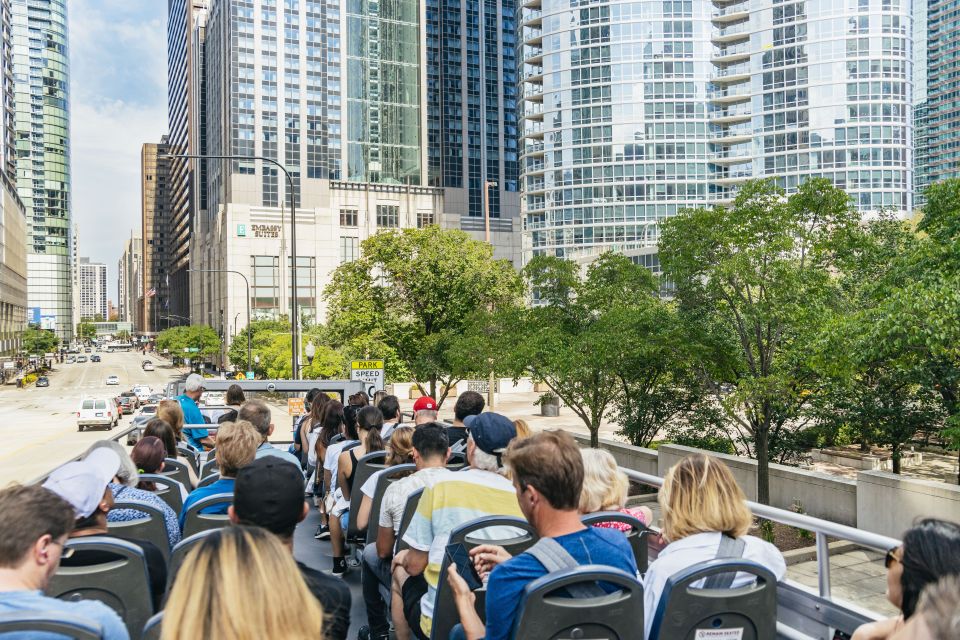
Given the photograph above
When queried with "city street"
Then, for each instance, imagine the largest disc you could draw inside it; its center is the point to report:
(39, 426)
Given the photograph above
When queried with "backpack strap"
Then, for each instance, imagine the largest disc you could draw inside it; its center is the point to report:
(554, 557)
(731, 548)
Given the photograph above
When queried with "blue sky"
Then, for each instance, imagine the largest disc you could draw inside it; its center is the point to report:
(118, 99)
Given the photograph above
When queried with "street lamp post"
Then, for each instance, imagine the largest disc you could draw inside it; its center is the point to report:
(247, 283)
(491, 383)
(295, 320)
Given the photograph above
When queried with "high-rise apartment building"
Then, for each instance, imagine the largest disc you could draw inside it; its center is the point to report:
(342, 94)
(154, 303)
(41, 68)
(937, 92)
(634, 111)
(130, 281)
(93, 291)
(13, 222)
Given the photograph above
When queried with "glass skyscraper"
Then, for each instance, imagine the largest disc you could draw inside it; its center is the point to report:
(41, 67)
(937, 95)
(634, 110)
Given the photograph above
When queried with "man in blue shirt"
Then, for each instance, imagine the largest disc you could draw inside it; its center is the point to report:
(548, 477)
(34, 528)
(192, 390)
(236, 447)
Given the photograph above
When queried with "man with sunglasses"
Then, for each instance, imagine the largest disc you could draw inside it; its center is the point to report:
(33, 530)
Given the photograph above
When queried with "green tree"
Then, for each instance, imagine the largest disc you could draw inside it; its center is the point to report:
(86, 331)
(585, 338)
(413, 292)
(263, 333)
(39, 341)
(757, 278)
(200, 337)
(123, 335)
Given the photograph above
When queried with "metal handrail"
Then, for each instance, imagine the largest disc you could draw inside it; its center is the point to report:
(822, 529)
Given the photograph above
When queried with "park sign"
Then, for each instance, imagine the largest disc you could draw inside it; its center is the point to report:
(370, 372)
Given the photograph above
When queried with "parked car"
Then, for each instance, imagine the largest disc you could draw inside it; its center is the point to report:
(96, 412)
(94, 358)
(43, 381)
(113, 380)
(81, 358)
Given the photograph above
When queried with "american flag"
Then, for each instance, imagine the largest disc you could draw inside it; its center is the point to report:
(151, 292)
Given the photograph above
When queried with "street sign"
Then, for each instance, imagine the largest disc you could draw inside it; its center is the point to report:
(249, 375)
(370, 372)
(295, 407)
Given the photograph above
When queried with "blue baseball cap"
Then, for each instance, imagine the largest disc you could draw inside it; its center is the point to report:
(492, 432)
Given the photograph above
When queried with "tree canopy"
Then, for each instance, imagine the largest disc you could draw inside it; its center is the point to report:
(200, 337)
(39, 341)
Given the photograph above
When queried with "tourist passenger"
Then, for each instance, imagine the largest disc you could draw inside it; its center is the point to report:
(268, 493)
(234, 399)
(257, 413)
(424, 410)
(938, 613)
(148, 455)
(33, 531)
(430, 453)
(237, 444)
(448, 501)
(392, 416)
(84, 485)
(240, 582)
(124, 488)
(930, 550)
(523, 428)
(469, 403)
(312, 403)
(399, 451)
(605, 489)
(369, 421)
(548, 479)
(192, 390)
(701, 503)
(332, 421)
(160, 428)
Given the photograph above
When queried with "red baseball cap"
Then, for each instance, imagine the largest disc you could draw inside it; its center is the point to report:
(425, 403)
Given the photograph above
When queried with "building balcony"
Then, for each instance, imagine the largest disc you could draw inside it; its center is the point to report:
(533, 129)
(733, 155)
(531, 17)
(731, 32)
(533, 91)
(534, 185)
(733, 135)
(732, 73)
(532, 4)
(533, 111)
(731, 53)
(731, 12)
(533, 149)
(733, 177)
(533, 73)
(730, 95)
(531, 35)
(731, 115)
(533, 55)
(534, 167)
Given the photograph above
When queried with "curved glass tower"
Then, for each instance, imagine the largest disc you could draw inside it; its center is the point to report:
(634, 110)
(41, 67)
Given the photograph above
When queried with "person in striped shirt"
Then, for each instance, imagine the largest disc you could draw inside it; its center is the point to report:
(449, 500)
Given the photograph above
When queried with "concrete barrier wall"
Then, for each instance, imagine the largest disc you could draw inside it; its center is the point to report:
(888, 504)
(627, 456)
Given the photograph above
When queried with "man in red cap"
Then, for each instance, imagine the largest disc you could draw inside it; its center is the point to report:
(424, 410)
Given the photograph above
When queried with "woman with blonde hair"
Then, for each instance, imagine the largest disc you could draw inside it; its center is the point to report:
(523, 428)
(701, 503)
(228, 571)
(605, 489)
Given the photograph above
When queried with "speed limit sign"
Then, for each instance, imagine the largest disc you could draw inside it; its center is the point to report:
(370, 372)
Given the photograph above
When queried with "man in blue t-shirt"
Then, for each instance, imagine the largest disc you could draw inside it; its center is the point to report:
(548, 477)
(34, 528)
(192, 390)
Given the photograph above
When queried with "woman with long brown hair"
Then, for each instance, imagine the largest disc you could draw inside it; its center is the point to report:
(241, 583)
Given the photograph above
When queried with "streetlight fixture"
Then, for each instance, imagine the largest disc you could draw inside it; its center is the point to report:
(295, 320)
(247, 283)
(311, 351)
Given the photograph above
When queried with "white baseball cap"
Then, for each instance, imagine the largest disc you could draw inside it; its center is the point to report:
(195, 382)
(83, 483)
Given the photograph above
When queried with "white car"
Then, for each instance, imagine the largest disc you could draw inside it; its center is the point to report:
(148, 366)
(97, 412)
(142, 392)
(113, 380)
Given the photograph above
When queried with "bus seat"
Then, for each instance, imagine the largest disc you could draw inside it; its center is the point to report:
(545, 615)
(122, 584)
(152, 630)
(168, 490)
(152, 527)
(366, 467)
(637, 536)
(36, 622)
(684, 610)
(176, 469)
(194, 521)
(411, 508)
(516, 535)
(388, 477)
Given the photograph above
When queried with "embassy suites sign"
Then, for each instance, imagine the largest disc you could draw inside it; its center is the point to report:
(258, 230)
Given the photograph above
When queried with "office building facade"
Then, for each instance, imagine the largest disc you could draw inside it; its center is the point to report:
(42, 113)
(129, 280)
(937, 92)
(632, 112)
(93, 291)
(157, 233)
(337, 92)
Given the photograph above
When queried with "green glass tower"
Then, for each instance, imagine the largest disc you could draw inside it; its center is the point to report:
(42, 139)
